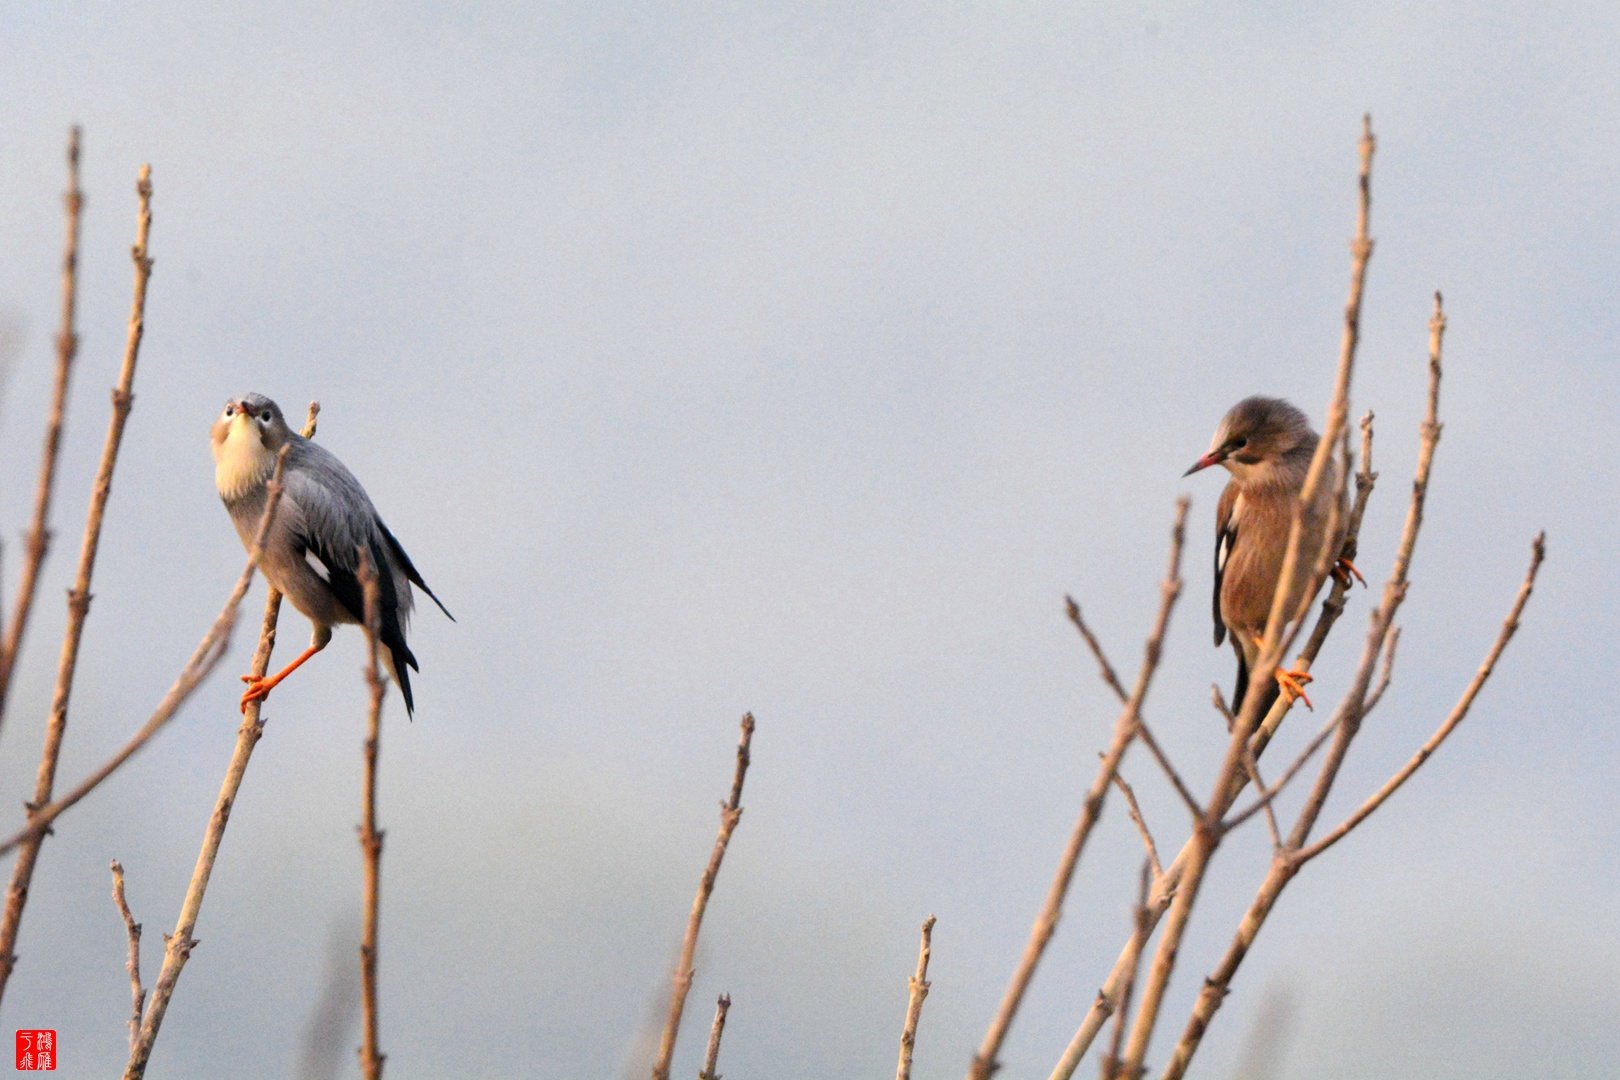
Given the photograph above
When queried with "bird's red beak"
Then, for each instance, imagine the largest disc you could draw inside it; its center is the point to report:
(1214, 457)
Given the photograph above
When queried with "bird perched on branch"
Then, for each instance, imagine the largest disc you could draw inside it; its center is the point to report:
(1267, 446)
(312, 554)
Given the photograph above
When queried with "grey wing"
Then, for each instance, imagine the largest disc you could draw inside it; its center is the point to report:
(347, 511)
(337, 522)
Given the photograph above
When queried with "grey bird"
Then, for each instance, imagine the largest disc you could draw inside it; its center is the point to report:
(1267, 446)
(312, 554)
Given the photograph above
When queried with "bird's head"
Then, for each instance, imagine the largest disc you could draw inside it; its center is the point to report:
(245, 439)
(1258, 433)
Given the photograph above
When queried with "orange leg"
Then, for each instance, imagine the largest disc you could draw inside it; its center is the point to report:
(1342, 571)
(259, 688)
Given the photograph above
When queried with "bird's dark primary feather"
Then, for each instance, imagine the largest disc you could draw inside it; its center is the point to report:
(343, 578)
(1241, 688)
(411, 574)
(1225, 538)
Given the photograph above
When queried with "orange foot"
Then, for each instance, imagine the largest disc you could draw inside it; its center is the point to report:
(1342, 571)
(1293, 684)
(258, 689)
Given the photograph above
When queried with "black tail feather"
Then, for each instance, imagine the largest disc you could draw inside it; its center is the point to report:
(1241, 689)
(403, 664)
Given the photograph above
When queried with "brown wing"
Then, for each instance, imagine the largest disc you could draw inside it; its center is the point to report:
(1225, 537)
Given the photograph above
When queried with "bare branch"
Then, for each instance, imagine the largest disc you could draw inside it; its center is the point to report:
(1141, 823)
(1143, 731)
(133, 964)
(1113, 1068)
(919, 985)
(179, 944)
(730, 814)
(67, 348)
(1510, 626)
(1164, 889)
(1096, 650)
(371, 840)
(1125, 729)
(208, 654)
(1347, 723)
(1354, 706)
(1207, 835)
(1251, 766)
(1165, 767)
(1384, 674)
(1289, 773)
(711, 1057)
(79, 598)
(1288, 863)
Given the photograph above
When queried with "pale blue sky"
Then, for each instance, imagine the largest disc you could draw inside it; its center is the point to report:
(710, 358)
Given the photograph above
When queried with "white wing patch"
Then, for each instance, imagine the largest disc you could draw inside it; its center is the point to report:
(1229, 535)
(315, 564)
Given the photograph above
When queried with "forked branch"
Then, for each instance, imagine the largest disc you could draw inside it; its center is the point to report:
(67, 348)
(1126, 728)
(22, 873)
(133, 964)
(730, 814)
(918, 985)
(1287, 863)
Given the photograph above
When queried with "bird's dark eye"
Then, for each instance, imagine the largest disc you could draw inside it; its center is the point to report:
(265, 416)
(230, 410)
(1239, 443)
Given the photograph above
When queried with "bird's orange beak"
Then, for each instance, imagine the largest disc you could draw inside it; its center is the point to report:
(1214, 457)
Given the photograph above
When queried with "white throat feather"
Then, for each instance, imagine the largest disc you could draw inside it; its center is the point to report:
(242, 463)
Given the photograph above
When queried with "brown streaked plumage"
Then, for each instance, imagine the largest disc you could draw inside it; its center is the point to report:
(1267, 445)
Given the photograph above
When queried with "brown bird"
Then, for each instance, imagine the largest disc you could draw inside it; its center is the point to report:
(1267, 446)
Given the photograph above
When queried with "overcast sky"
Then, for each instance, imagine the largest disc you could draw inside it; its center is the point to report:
(800, 359)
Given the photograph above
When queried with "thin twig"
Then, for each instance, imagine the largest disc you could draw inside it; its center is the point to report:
(1251, 766)
(1287, 863)
(1384, 675)
(179, 944)
(1347, 721)
(711, 1056)
(1383, 618)
(1509, 627)
(79, 598)
(1096, 649)
(371, 840)
(208, 654)
(1143, 731)
(1112, 1067)
(919, 985)
(1125, 729)
(133, 965)
(1141, 823)
(67, 347)
(730, 814)
(1268, 796)
(1165, 887)
(1207, 834)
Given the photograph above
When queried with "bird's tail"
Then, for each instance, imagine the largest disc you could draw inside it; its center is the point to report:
(399, 662)
(1241, 689)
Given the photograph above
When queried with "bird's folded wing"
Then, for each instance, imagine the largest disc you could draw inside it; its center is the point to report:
(1225, 538)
